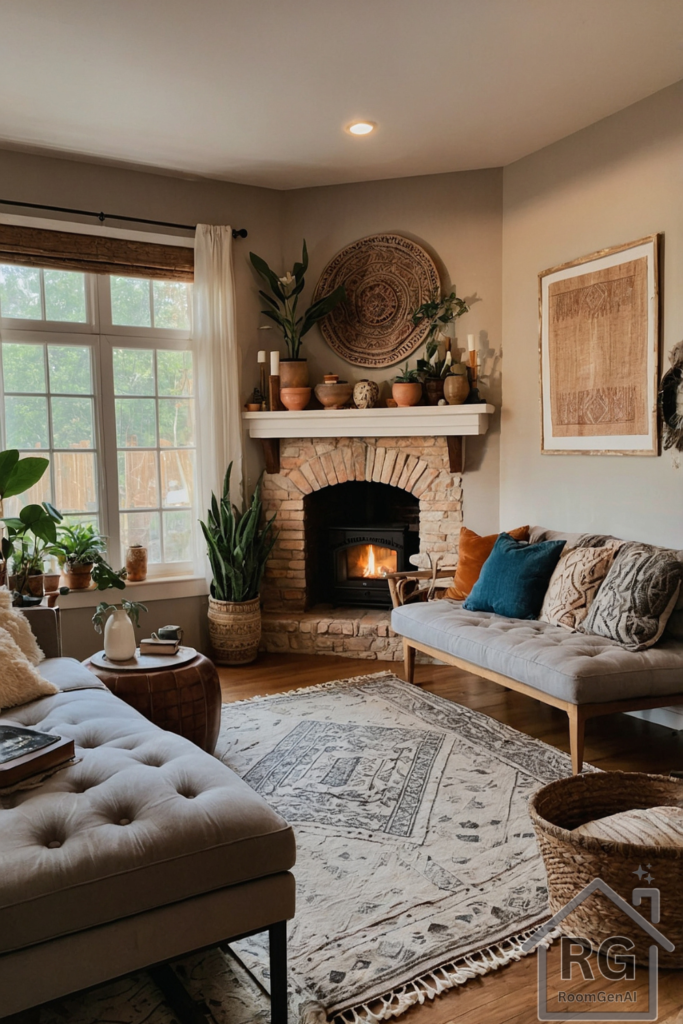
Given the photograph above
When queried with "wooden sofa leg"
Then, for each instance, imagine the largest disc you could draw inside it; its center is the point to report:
(577, 728)
(278, 972)
(409, 661)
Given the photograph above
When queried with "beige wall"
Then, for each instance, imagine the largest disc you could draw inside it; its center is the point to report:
(79, 639)
(614, 182)
(457, 218)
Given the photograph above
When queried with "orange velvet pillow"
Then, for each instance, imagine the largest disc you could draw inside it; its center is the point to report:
(473, 551)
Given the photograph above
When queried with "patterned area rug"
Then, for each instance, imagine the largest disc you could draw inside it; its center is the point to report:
(417, 864)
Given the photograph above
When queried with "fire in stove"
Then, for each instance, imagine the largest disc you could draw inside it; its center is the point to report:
(370, 561)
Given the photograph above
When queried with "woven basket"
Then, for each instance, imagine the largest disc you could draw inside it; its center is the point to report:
(572, 861)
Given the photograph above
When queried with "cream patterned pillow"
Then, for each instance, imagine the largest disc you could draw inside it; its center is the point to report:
(17, 625)
(574, 584)
(19, 680)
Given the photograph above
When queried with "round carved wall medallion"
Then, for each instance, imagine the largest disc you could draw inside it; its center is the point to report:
(386, 277)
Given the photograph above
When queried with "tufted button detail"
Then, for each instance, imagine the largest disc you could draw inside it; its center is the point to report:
(54, 845)
(124, 821)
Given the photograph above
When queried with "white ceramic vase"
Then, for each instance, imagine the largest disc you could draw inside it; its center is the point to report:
(119, 636)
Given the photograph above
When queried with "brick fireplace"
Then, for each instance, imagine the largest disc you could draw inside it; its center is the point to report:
(416, 466)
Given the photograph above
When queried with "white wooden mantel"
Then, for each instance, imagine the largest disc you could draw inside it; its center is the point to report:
(454, 422)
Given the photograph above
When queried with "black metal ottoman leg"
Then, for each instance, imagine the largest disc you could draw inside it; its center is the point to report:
(278, 972)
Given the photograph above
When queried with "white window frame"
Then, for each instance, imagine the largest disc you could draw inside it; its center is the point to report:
(103, 336)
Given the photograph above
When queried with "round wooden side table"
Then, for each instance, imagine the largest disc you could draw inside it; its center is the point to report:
(185, 699)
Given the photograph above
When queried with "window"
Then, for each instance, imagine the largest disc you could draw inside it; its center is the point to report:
(97, 372)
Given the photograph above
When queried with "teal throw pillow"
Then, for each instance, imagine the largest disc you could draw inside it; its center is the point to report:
(515, 577)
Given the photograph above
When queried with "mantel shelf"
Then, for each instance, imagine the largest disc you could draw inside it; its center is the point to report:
(454, 422)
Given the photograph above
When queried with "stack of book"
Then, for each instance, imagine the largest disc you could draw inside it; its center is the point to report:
(27, 752)
(156, 647)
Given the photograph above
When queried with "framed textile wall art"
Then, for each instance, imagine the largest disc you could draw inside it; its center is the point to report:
(599, 346)
(386, 277)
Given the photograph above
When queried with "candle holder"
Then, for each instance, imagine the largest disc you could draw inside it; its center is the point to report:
(474, 397)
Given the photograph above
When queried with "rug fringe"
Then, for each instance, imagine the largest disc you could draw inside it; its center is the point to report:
(314, 689)
(441, 979)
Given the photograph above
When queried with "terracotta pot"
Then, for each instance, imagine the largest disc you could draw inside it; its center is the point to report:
(34, 585)
(406, 394)
(456, 388)
(136, 563)
(434, 390)
(294, 373)
(51, 582)
(295, 399)
(333, 396)
(77, 577)
(234, 630)
(366, 394)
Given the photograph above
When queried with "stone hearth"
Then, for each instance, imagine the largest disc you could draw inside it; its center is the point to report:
(418, 465)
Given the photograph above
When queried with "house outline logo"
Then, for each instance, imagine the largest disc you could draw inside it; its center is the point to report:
(540, 936)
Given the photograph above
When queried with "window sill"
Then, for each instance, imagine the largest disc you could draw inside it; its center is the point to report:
(157, 588)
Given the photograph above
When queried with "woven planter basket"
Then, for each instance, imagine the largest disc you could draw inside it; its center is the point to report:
(572, 862)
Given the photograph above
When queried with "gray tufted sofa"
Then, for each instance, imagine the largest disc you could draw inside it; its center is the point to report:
(583, 674)
(145, 850)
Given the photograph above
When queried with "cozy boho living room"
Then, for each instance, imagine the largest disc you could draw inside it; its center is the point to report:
(341, 491)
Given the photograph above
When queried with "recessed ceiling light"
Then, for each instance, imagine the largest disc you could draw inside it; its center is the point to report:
(361, 127)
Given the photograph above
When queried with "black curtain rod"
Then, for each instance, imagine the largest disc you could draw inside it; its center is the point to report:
(236, 232)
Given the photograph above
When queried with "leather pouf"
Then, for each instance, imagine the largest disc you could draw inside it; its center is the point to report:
(234, 630)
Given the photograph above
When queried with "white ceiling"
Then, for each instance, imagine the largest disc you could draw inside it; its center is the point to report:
(259, 91)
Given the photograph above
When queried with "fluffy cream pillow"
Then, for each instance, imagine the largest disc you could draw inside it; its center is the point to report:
(574, 584)
(654, 826)
(17, 625)
(19, 681)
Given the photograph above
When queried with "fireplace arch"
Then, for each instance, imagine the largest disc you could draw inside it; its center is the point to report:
(415, 465)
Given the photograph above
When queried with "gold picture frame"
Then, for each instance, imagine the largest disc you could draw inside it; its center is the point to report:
(599, 352)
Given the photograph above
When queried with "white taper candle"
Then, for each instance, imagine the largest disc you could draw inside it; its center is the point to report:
(471, 344)
(262, 355)
(275, 364)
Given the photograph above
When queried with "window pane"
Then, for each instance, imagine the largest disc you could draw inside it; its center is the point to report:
(34, 496)
(141, 528)
(64, 295)
(133, 371)
(174, 372)
(75, 481)
(23, 367)
(177, 536)
(70, 369)
(72, 423)
(176, 422)
(177, 478)
(171, 305)
(20, 292)
(138, 480)
(136, 423)
(130, 302)
(26, 422)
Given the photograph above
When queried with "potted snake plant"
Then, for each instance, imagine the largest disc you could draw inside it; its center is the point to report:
(238, 546)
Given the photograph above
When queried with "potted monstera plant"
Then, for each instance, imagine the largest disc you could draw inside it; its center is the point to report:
(238, 546)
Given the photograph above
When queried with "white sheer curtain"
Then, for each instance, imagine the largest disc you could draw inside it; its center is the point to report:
(218, 364)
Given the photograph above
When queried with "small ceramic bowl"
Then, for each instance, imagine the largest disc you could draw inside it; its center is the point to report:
(253, 407)
(333, 396)
(295, 399)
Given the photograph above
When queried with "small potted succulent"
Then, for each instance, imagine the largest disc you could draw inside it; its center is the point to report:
(407, 388)
(282, 309)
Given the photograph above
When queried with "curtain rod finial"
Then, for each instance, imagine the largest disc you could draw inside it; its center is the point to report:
(239, 232)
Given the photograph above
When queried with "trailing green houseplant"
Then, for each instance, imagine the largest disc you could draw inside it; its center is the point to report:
(80, 550)
(118, 627)
(439, 311)
(238, 545)
(283, 308)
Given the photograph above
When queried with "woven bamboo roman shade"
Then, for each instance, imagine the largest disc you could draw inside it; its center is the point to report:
(94, 254)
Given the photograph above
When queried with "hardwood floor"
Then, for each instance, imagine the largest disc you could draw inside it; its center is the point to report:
(612, 742)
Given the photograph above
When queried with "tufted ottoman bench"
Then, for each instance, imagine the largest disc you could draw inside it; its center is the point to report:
(146, 849)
